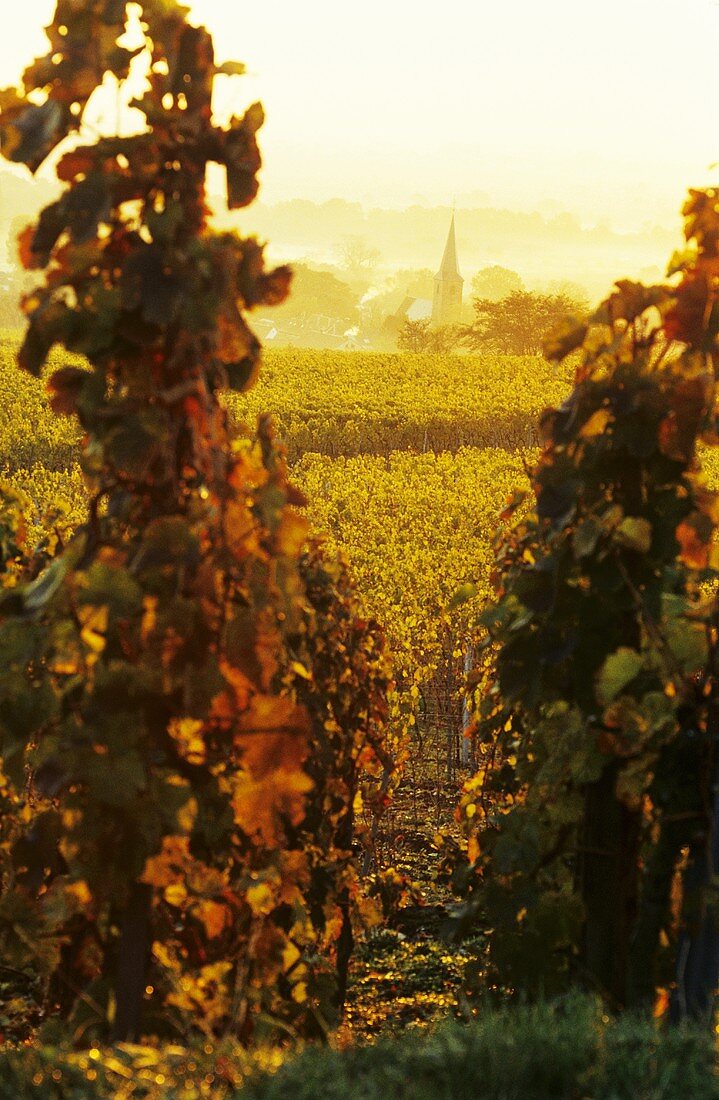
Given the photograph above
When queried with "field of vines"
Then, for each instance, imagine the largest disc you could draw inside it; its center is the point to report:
(404, 459)
(351, 403)
(406, 462)
(338, 404)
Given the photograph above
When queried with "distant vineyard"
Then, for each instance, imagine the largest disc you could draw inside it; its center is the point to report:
(335, 403)
(415, 527)
(350, 403)
(29, 433)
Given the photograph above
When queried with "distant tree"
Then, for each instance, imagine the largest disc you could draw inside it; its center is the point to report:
(568, 287)
(413, 336)
(316, 292)
(356, 255)
(516, 324)
(420, 336)
(495, 282)
(415, 282)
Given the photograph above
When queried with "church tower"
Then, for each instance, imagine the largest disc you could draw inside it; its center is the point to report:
(448, 283)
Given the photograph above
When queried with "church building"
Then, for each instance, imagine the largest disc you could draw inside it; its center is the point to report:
(448, 283)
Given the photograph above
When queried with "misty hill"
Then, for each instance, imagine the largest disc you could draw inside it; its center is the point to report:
(541, 248)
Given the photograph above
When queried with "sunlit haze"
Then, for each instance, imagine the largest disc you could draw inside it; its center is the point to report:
(606, 111)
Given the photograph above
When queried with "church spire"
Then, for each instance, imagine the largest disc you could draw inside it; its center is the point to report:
(449, 268)
(448, 283)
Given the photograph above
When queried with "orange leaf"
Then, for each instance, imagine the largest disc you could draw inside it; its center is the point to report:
(694, 538)
(214, 916)
(260, 805)
(170, 865)
(661, 1003)
(78, 162)
(278, 729)
(28, 258)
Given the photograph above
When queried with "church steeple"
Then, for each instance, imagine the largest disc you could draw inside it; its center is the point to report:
(449, 266)
(448, 283)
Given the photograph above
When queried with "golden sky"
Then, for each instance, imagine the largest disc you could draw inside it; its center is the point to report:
(605, 108)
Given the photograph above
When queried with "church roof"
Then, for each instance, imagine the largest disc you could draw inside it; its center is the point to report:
(449, 267)
(415, 309)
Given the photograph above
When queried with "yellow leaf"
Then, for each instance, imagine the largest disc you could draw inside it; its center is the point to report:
(597, 423)
(162, 955)
(186, 815)
(299, 992)
(94, 626)
(186, 732)
(334, 926)
(175, 894)
(290, 955)
(260, 899)
(149, 617)
(369, 911)
(79, 892)
(635, 533)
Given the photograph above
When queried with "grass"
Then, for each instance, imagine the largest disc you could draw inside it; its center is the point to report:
(569, 1049)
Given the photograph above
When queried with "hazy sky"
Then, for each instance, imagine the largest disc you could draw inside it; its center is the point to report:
(607, 108)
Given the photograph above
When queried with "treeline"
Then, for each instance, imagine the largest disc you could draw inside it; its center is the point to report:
(541, 248)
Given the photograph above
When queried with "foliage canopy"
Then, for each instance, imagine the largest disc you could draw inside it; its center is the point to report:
(600, 721)
(514, 324)
(157, 702)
